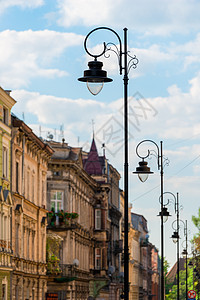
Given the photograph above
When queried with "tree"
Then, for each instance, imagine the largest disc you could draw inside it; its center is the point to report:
(196, 239)
(172, 292)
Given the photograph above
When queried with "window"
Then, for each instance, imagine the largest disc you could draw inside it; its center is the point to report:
(43, 193)
(4, 288)
(5, 231)
(33, 294)
(97, 219)
(28, 185)
(17, 177)
(33, 245)
(57, 200)
(33, 187)
(5, 115)
(17, 239)
(98, 259)
(28, 244)
(4, 297)
(56, 173)
(5, 162)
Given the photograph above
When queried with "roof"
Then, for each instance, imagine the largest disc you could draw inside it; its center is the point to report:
(139, 222)
(94, 163)
(30, 135)
(171, 275)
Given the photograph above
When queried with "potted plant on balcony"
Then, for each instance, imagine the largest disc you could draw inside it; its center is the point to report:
(61, 217)
(52, 216)
(74, 215)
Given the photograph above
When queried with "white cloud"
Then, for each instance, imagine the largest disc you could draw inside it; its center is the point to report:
(87, 12)
(150, 17)
(28, 54)
(174, 118)
(5, 4)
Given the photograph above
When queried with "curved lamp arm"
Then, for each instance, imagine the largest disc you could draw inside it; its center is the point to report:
(149, 151)
(105, 45)
(168, 200)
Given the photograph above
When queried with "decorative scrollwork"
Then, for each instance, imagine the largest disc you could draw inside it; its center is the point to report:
(118, 50)
(166, 161)
(115, 50)
(132, 62)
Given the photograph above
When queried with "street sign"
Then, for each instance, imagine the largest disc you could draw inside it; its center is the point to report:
(191, 294)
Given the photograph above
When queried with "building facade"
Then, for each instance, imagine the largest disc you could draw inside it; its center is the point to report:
(145, 261)
(6, 103)
(77, 226)
(30, 158)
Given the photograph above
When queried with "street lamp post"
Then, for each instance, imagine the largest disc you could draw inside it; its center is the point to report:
(95, 77)
(143, 170)
(175, 237)
(185, 255)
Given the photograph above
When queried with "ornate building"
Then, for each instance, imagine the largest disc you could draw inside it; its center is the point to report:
(102, 171)
(30, 158)
(6, 103)
(77, 235)
(134, 265)
(83, 224)
(145, 262)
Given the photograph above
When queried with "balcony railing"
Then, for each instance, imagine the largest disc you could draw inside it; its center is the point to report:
(55, 268)
(65, 272)
(61, 220)
(5, 246)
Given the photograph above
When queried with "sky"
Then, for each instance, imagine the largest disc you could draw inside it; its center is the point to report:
(42, 55)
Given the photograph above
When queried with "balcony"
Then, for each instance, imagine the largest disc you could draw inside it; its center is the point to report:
(118, 246)
(60, 272)
(65, 272)
(61, 220)
(5, 246)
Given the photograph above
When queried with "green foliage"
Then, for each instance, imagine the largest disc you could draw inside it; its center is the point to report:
(171, 292)
(196, 220)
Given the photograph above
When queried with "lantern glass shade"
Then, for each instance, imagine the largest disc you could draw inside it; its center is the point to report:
(95, 87)
(143, 171)
(175, 237)
(190, 264)
(95, 77)
(143, 177)
(165, 219)
(165, 214)
(184, 253)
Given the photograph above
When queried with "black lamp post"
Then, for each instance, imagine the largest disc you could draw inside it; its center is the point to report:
(185, 255)
(175, 237)
(143, 171)
(95, 77)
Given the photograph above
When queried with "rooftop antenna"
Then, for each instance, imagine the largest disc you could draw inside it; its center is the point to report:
(103, 146)
(40, 131)
(78, 139)
(61, 135)
(23, 116)
(93, 128)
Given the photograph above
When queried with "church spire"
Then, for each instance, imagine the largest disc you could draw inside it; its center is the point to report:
(93, 164)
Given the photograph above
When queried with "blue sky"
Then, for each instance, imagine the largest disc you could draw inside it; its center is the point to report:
(42, 55)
